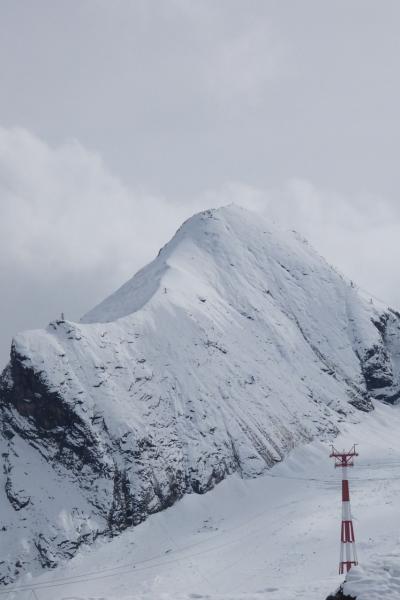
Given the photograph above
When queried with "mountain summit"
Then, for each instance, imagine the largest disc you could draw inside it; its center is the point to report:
(237, 343)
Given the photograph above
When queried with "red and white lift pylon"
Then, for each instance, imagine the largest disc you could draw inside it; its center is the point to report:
(348, 554)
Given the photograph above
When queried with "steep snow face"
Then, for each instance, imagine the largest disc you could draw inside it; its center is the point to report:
(237, 343)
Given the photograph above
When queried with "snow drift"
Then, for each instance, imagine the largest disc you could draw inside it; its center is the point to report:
(377, 580)
(237, 343)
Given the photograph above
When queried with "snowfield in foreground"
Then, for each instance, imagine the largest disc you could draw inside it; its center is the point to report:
(271, 538)
(379, 580)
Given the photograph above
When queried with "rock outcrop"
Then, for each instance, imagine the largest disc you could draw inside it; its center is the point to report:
(339, 595)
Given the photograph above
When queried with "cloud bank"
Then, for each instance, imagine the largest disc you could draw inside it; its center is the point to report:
(71, 231)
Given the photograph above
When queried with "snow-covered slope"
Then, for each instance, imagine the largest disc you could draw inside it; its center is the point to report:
(377, 580)
(275, 537)
(237, 343)
(378, 577)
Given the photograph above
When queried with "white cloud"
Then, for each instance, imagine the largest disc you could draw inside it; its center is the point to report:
(71, 231)
(62, 209)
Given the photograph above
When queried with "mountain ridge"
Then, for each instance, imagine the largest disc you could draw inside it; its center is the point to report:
(237, 343)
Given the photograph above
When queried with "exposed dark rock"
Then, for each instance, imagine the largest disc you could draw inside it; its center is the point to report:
(340, 596)
(376, 364)
(45, 553)
(48, 422)
(381, 323)
(40, 416)
(377, 368)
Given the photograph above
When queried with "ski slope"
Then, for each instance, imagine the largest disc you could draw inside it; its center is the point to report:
(271, 538)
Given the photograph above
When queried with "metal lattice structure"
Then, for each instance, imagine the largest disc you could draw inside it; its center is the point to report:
(348, 553)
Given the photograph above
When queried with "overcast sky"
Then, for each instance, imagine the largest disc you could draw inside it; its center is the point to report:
(118, 119)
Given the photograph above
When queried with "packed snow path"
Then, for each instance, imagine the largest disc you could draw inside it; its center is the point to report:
(271, 538)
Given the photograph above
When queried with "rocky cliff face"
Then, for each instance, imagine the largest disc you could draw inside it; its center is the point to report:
(236, 344)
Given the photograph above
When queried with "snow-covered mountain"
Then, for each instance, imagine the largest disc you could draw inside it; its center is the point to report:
(236, 344)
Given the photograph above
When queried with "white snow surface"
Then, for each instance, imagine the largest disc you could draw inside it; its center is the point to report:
(377, 580)
(275, 537)
(235, 345)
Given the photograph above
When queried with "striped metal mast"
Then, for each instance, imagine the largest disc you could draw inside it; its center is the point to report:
(348, 554)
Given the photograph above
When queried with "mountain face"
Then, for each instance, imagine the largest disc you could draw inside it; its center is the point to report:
(237, 343)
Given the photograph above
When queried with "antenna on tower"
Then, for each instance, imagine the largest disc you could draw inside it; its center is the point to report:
(348, 554)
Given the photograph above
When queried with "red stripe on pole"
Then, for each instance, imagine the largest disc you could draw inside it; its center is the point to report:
(347, 534)
(345, 566)
(345, 491)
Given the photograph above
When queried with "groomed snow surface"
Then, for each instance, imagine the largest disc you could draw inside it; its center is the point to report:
(274, 538)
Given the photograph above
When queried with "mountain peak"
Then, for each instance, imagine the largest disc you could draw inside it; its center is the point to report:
(218, 237)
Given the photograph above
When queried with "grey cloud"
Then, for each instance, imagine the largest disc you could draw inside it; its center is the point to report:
(176, 105)
(71, 231)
